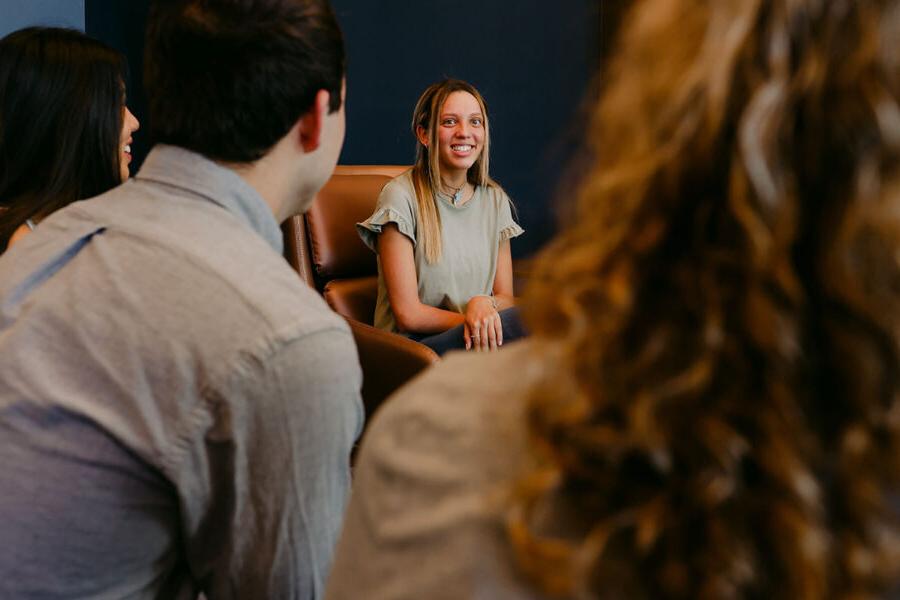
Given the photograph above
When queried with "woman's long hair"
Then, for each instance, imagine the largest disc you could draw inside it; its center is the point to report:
(61, 110)
(722, 312)
(427, 169)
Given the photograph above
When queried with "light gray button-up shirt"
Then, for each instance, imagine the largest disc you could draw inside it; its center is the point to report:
(176, 408)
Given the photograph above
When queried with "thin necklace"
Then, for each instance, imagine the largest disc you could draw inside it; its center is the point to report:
(456, 196)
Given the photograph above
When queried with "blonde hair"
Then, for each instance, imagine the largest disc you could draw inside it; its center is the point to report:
(725, 418)
(427, 169)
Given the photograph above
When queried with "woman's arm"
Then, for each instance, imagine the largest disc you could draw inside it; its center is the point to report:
(398, 266)
(503, 278)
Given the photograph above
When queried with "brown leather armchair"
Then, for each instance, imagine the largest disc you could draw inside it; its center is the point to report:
(326, 251)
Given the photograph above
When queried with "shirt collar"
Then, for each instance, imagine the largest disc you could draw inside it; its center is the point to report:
(187, 170)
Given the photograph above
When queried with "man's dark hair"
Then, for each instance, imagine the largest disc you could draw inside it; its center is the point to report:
(229, 78)
(62, 96)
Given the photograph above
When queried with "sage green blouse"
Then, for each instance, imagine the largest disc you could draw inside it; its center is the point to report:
(471, 236)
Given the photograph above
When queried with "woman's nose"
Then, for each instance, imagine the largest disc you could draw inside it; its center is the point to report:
(135, 124)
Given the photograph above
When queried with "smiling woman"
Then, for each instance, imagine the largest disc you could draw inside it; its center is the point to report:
(66, 131)
(442, 231)
(709, 405)
(460, 139)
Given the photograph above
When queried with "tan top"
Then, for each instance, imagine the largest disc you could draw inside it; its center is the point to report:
(430, 486)
(471, 236)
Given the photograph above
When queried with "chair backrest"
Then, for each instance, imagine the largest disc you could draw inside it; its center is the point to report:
(324, 247)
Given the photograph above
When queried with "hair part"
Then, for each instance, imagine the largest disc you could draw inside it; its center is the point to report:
(62, 103)
(427, 168)
(228, 79)
(721, 409)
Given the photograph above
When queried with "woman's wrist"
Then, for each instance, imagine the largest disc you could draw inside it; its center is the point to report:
(494, 303)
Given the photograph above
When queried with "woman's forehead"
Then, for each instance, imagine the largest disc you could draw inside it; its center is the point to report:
(461, 102)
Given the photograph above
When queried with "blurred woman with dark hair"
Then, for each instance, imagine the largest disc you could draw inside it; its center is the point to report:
(709, 406)
(65, 132)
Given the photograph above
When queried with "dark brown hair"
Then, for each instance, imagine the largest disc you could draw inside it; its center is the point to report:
(229, 78)
(61, 108)
(722, 312)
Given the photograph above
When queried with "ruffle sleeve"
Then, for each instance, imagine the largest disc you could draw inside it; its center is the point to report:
(510, 231)
(508, 227)
(395, 205)
(370, 228)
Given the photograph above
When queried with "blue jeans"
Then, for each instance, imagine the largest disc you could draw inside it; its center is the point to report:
(452, 339)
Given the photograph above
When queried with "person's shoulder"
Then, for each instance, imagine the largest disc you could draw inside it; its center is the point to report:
(201, 258)
(399, 195)
(404, 180)
(400, 186)
(459, 408)
(436, 465)
(495, 193)
(274, 297)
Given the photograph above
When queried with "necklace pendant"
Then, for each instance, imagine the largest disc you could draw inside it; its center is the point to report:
(457, 197)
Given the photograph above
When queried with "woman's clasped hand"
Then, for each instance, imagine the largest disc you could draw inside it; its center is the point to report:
(483, 329)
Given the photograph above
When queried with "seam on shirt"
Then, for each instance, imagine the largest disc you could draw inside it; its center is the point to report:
(50, 268)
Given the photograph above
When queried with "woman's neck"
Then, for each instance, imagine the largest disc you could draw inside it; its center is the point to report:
(457, 192)
(453, 180)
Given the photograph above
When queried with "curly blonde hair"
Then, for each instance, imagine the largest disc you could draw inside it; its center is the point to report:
(724, 301)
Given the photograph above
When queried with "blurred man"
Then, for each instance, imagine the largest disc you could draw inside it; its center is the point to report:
(176, 408)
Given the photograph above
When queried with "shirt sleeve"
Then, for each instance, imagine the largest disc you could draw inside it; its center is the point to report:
(273, 477)
(395, 205)
(508, 228)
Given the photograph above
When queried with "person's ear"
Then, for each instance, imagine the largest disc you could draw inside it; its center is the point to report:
(422, 134)
(312, 122)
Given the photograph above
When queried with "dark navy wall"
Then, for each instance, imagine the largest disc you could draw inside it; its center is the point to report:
(532, 60)
(121, 25)
(16, 14)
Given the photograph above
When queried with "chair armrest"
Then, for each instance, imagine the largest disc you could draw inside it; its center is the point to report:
(388, 361)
